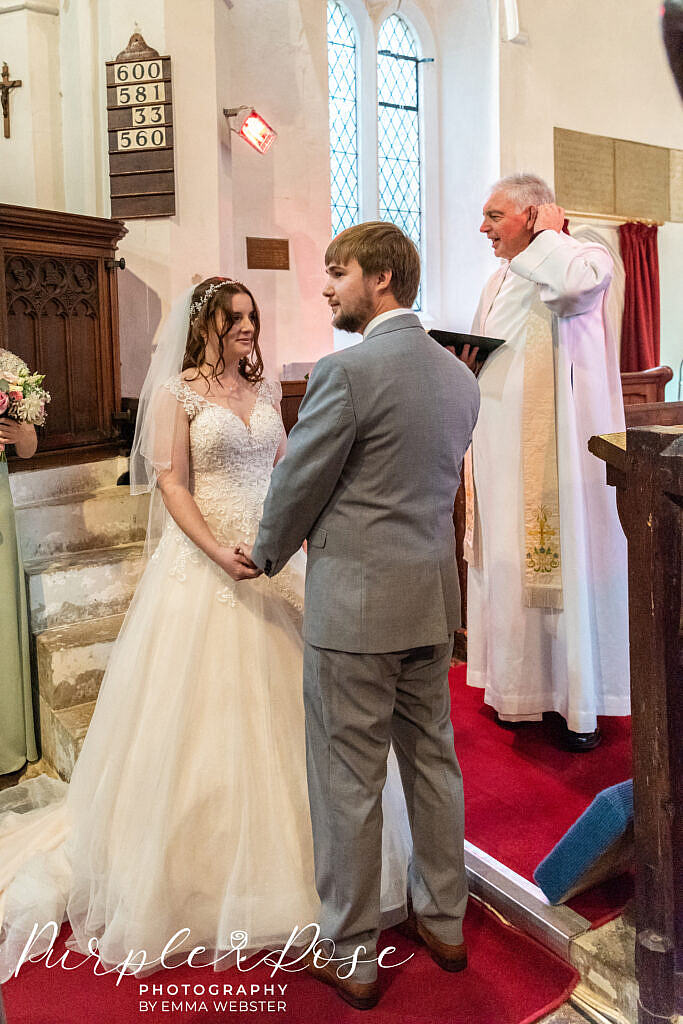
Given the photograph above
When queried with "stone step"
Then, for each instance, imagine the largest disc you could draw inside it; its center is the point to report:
(72, 659)
(36, 485)
(81, 521)
(62, 734)
(606, 959)
(82, 585)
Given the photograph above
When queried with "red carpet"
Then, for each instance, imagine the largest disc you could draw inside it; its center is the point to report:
(522, 792)
(510, 980)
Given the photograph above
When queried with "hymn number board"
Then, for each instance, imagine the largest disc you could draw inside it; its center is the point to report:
(140, 123)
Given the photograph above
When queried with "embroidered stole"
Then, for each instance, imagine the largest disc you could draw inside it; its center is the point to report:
(542, 569)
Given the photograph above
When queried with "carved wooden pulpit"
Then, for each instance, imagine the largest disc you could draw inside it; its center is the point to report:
(646, 467)
(59, 313)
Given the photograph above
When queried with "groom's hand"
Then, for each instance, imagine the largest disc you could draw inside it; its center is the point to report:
(235, 564)
(243, 552)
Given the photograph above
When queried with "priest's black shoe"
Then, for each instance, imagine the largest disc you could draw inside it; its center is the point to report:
(580, 741)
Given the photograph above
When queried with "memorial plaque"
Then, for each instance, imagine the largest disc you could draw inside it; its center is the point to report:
(584, 171)
(267, 253)
(642, 180)
(140, 124)
(676, 185)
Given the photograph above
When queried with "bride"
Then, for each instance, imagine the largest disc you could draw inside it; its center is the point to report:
(188, 806)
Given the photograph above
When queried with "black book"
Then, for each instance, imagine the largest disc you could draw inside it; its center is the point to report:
(458, 341)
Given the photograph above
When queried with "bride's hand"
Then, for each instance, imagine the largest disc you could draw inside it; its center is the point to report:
(230, 560)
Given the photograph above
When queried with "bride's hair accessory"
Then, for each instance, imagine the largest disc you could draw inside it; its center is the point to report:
(198, 305)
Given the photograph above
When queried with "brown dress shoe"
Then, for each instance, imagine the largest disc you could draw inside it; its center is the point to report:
(360, 995)
(448, 957)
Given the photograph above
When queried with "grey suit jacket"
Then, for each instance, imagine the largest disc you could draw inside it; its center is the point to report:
(369, 477)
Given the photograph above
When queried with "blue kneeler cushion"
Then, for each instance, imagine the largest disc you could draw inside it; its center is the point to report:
(599, 845)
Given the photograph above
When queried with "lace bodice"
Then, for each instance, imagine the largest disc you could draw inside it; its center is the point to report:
(231, 461)
(230, 466)
(10, 362)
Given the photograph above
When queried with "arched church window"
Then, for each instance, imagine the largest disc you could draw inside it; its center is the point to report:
(343, 88)
(398, 129)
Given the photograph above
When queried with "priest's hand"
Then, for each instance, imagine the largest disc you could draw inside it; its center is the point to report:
(549, 217)
(469, 355)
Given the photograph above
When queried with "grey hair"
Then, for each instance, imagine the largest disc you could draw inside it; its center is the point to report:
(525, 189)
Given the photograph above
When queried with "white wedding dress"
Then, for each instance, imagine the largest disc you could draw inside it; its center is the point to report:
(188, 807)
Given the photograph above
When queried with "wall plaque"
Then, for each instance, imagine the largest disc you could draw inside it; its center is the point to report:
(642, 180)
(605, 176)
(267, 253)
(584, 171)
(140, 124)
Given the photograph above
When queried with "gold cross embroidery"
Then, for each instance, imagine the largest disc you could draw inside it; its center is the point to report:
(543, 531)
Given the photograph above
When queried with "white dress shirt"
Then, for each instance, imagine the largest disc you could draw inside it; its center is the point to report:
(381, 317)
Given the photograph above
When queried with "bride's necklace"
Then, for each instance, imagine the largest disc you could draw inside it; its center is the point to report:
(231, 388)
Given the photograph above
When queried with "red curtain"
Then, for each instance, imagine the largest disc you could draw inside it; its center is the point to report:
(640, 326)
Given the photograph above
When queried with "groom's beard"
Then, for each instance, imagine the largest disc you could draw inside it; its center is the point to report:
(354, 320)
(350, 322)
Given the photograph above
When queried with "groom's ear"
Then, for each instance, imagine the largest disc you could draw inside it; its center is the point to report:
(384, 278)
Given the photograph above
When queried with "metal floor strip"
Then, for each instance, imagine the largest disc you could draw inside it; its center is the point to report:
(522, 903)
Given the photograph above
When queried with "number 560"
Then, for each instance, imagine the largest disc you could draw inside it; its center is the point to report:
(142, 138)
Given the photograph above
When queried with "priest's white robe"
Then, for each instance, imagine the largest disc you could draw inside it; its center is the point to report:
(531, 660)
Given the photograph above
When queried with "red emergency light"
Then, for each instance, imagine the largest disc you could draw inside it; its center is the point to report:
(257, 132)
(254, 129)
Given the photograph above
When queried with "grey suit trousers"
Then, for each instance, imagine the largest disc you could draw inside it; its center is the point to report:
(356, 704)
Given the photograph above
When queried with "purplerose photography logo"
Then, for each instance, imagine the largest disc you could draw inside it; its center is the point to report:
(160, 995)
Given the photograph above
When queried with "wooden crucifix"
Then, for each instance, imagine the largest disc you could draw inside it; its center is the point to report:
(5, 90)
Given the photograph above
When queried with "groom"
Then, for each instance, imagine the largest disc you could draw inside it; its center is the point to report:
(369, 478)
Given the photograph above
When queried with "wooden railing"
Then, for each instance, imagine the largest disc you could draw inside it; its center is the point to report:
(292, 393)
(645, 386)
(646, 467)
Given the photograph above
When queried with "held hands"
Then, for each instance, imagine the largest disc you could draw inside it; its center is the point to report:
(243, 552)
(236, 563)
(548, 217)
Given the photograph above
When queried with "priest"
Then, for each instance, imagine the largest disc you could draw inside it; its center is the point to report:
(547, 594)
